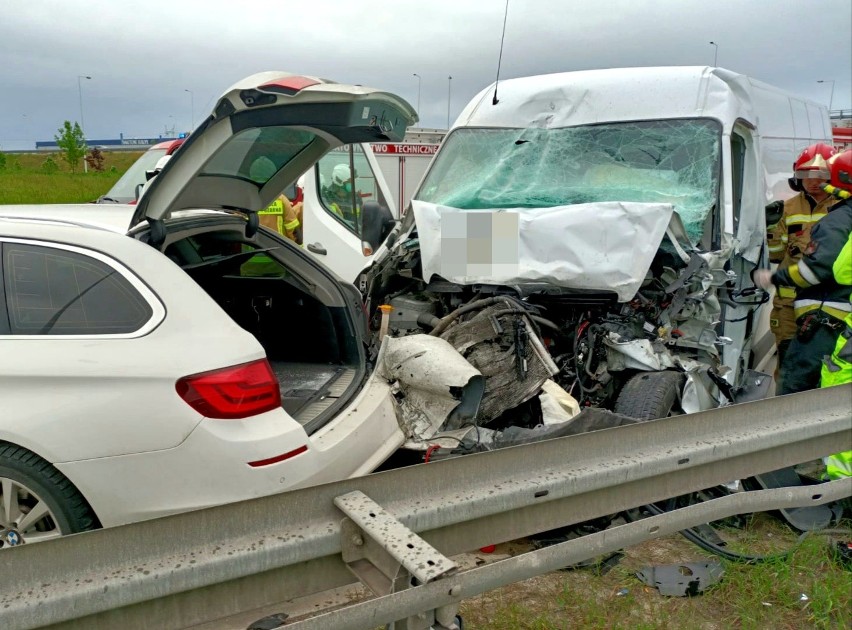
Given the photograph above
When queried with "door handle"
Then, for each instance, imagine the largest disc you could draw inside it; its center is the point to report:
(317, 248)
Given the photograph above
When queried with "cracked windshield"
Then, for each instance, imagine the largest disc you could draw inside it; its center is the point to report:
(669, 161)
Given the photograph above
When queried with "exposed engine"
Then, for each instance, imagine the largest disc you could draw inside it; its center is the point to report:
(587, 342)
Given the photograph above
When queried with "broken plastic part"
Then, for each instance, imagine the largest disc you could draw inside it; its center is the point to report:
(437, 387)
(681, 580)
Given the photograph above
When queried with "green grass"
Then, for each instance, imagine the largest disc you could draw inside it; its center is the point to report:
(23, 181)
(750, 597)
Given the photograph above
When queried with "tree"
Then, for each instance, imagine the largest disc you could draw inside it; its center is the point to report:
(72, 144)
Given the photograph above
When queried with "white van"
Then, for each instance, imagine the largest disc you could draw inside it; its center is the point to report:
(619, 214)
(387, 173)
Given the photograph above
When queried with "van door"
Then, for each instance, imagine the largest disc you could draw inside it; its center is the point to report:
(747, 324)
(335, 191)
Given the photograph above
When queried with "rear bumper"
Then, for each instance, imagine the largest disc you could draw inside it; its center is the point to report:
(211, 466)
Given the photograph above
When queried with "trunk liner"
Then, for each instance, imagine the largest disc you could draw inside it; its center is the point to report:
(308, 389)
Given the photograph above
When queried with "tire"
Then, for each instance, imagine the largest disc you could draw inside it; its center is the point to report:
(650, 395)
(35, 486)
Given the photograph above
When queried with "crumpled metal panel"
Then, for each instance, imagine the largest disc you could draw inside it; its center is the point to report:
(601, 246)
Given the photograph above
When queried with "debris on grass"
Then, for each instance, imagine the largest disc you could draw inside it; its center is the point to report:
(682, 580)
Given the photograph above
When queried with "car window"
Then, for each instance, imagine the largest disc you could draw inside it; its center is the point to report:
(124, 190)
(51, 291)
(343, 193)
(257, 154)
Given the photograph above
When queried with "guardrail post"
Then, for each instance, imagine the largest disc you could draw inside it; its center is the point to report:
(387, 557)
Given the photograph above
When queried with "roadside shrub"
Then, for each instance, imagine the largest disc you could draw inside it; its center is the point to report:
(2, 161)
(49, 165)
(95, 160)
(112, 169)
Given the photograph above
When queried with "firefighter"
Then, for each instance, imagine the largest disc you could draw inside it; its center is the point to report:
(283, 217)
(790, 234)
(821, 303)
(340, 197)
(837, 368)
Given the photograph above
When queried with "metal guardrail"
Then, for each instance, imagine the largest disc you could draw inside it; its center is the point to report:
(213, 564)
(453, 589)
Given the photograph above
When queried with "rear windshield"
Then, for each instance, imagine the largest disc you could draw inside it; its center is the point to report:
(256, 154)
(124, 190)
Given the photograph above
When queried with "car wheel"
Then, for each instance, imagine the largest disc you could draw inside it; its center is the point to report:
(37, 502)
(650, 395)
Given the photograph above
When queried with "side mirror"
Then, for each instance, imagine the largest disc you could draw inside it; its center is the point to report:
(151, 173)
(376, 223)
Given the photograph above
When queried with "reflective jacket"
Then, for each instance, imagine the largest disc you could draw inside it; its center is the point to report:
(813, 275)
(837, 369)
(281, 216)
(788, 238)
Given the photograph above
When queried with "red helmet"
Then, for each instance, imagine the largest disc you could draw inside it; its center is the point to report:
(812, 163)
(840, 175)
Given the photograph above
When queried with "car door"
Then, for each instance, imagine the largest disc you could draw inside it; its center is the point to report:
(331, 235)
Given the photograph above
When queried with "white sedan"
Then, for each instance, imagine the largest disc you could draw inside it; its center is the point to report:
(170, 355)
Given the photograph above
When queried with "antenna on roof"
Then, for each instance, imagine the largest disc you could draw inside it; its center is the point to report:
(494, 101)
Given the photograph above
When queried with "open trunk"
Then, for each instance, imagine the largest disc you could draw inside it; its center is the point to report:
(300, 336)
(308, 343)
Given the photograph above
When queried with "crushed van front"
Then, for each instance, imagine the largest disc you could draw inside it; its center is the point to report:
(602, 243)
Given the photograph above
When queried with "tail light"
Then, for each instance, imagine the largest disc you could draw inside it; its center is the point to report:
(288, 85)
(234, 392)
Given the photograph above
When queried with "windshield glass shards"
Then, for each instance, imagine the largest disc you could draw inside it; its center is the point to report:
(662, 161)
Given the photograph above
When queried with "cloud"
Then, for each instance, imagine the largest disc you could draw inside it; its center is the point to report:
(143, 56)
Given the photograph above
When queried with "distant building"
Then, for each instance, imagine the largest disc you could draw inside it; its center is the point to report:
(120, 144)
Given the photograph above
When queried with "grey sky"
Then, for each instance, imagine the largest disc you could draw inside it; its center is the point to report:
(142, 56)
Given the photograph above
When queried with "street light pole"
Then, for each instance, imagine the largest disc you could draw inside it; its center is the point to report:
(191, 109)
(449, 94)
(715, 54)
(80, 78)
(831, 97)
(418, 91)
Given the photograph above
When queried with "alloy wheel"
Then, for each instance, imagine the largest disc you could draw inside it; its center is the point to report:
(24, 516)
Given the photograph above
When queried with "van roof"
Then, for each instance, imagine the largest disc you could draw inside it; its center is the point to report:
(623, 94)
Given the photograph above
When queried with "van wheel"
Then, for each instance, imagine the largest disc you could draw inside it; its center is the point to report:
(650, 395)
(37, 502)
